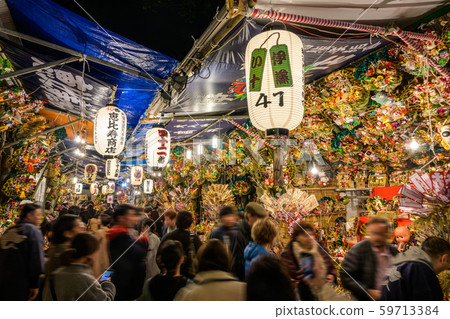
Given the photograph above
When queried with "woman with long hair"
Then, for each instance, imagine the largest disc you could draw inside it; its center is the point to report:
(75, 280)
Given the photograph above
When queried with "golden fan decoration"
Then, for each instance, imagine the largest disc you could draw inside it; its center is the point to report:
(217, 197)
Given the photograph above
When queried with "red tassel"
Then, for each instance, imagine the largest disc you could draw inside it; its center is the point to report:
(30, 168)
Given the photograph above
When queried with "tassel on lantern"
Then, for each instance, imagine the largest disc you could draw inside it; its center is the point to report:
(30, 168)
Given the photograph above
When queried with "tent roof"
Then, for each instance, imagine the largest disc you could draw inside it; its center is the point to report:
(381, 12)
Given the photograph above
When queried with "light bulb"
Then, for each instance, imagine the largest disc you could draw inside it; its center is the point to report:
(78, 139)
(314, 170)
(83, 141)
(128, 180)
(188, 154)
(414, 145)
(215, 142)
(75, 180)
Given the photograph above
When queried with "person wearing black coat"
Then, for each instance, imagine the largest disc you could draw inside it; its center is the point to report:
(129, 267)
(414, 274)
(229, 234)
(367, 263)
(22, 257)
(191, 243)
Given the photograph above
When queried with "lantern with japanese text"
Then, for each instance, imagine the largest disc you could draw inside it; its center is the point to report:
(137, 175)
(94, 189)
(148, 186)
(157, 147)
(90, 173)
(111, 187)
(112, 168)
(78, 188)
(104, 189)
(110, 128)
(274, 75)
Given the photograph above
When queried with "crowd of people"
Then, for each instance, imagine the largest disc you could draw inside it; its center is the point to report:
(129, 253)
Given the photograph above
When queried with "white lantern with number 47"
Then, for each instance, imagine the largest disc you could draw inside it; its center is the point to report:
(157, 147)
(110, 128)
(274, 76)
(148, 186)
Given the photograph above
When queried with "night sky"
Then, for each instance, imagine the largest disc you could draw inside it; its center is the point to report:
(166, 26)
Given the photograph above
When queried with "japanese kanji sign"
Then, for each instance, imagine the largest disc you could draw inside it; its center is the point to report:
(257, 69)
(112, 168)
(110, 128)
(279, 58)
(90, 173)
(157, 147)
(78, 188)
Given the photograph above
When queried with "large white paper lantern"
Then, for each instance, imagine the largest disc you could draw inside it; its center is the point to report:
(157, 147)
(90, 172)
(274, 76)
(78, 188)
(111, 187)
(104, 189)
(148, 186)
(110, 128)
(94, 189)
(112, 168)
(137, 175)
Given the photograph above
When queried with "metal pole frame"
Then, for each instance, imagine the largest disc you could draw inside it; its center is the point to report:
(41, 133)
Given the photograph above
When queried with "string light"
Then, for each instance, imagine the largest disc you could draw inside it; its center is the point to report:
(314, 170)
(414, 145)
(75, 180)
(128, 180)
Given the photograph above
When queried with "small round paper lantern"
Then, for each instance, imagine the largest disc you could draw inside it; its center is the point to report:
(274, 76)
(157, 147)
(110, 128)
(78, 188)
(94, 189)
(104, 189)
(111, 187)
(112, 168)
(148, 186)
(137, 175)
(90, 172)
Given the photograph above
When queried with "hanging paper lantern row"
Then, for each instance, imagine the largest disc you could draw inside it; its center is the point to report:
(90, 173)
(148, 186)
(137, 175)
(112, 168)
(94, 189)
(274, 75)
(111, 186)
(78, 188)
(157, 147)
(110, 128)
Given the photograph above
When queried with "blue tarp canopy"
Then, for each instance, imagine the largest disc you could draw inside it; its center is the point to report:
(216, 90)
